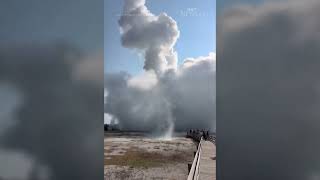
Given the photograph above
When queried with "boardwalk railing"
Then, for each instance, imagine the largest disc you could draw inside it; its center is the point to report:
(194, 171)
(198, 136)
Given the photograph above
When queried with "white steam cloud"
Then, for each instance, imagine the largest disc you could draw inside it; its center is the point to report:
(165, 97)
(153, 35)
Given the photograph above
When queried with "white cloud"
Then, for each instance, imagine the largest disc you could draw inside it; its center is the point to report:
(185, 97)
(145, 81)
(153, 35)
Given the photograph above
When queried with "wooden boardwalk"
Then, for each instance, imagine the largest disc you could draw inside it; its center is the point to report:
(204, 163)
(207, 165)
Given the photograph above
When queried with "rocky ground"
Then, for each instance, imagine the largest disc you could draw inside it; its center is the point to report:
(135, 156)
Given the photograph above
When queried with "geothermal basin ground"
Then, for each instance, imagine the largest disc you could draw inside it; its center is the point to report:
(137, 156)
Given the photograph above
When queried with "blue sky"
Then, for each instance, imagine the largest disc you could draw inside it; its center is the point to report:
(197, 32)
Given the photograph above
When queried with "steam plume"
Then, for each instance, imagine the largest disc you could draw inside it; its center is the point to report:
(153, 35)
(164, 97)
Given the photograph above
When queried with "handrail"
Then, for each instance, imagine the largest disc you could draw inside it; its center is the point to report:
(194, 171)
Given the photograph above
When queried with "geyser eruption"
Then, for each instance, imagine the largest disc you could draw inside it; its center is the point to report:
(167, 135)
(165, 97)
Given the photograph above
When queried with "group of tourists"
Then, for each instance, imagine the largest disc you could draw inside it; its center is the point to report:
(203, 133)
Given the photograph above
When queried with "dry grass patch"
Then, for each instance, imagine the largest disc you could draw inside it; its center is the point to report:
(138, 158)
